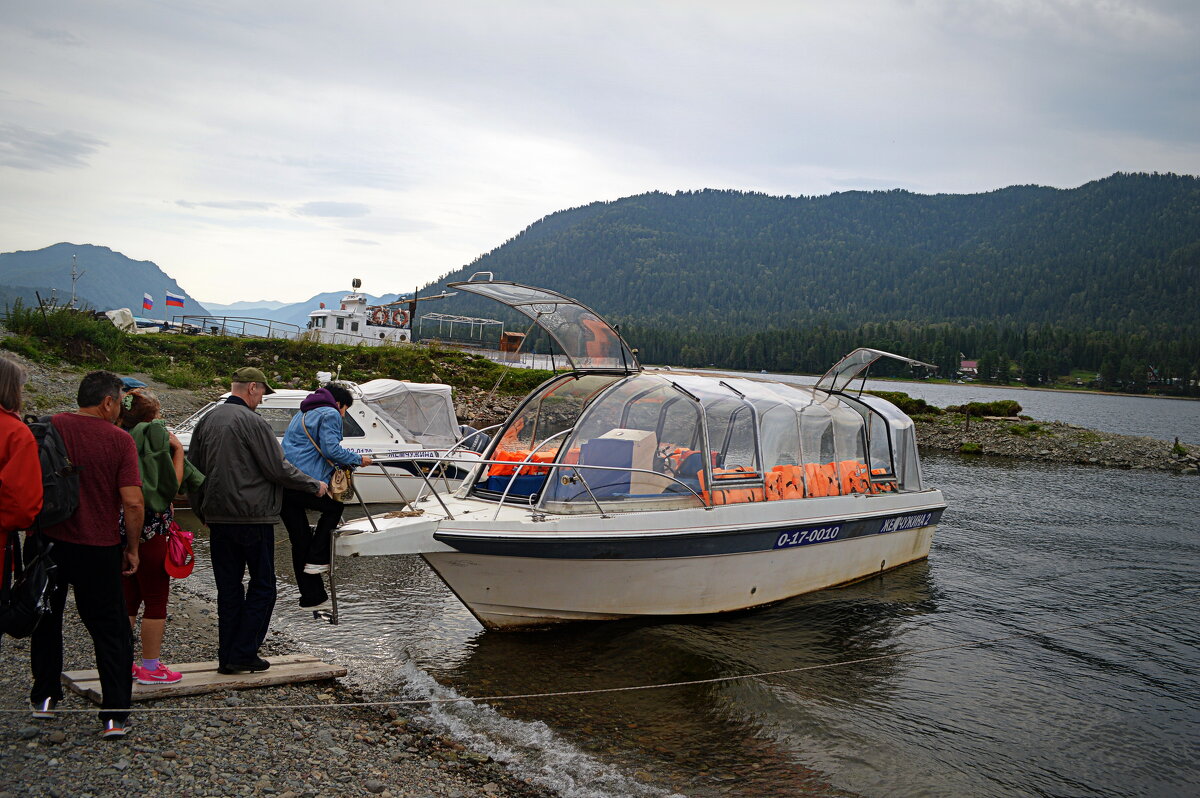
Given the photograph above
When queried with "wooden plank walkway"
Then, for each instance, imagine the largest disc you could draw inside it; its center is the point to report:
(202, 677)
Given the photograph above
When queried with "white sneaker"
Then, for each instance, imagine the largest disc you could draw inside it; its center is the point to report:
(314, 568)
(44, 709)
(114, 729)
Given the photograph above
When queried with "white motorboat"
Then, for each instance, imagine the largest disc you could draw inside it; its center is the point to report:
(407, 428)
(615, 491)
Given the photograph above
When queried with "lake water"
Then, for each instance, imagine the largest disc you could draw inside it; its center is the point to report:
(1107, 710)
(1152, 416)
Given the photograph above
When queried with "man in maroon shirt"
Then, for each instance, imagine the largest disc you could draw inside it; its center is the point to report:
(90, 556)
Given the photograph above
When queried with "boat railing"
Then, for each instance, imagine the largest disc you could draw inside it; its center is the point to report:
(240, 326)
(550, 467)
(439, 467)
(526, 461)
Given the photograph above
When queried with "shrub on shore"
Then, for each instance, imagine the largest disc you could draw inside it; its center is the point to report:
(908, 405)
(199, 361)
(1006, 408)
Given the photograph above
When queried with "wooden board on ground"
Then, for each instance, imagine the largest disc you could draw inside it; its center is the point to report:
(202, 677)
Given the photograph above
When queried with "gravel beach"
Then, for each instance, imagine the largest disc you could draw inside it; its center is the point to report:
(230, 748)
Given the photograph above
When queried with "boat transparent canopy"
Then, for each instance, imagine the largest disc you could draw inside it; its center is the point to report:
(843, 372)
(629, 442)
(586, 339)
(418, 412)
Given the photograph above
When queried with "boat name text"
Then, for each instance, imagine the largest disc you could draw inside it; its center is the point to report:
(903, 522)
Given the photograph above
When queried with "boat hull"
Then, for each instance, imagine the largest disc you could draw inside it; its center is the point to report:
(562, 583)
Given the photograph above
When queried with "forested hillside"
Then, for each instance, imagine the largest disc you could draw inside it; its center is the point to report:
(109, 279)
(1106, 275)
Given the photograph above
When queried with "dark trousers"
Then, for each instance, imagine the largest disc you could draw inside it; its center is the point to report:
(309, 545)
(243, 613)
(95, 573)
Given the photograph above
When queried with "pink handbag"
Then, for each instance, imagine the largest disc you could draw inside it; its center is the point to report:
(180, 560)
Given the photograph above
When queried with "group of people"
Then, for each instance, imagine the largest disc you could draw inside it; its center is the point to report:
(239, 480)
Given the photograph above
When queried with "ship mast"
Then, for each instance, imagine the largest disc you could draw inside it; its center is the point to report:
(75, 275)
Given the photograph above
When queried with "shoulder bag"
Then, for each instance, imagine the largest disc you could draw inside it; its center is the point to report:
(341, 484)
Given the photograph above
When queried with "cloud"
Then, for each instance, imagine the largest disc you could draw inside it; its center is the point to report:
(56, 35)
(23, 148)
(336, 210)
(363, 241)
(229, 205)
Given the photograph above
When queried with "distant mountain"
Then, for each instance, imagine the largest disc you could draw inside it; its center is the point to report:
(293, 313)
(1119, 254)
(253, 304)
(109, 279)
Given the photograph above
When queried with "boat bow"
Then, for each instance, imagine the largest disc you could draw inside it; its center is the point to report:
(405, 535)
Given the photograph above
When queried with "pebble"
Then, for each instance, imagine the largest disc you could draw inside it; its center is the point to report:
(374, 786)
(244, 753)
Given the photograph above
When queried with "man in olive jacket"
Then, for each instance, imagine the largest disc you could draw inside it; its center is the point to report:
(239, 501)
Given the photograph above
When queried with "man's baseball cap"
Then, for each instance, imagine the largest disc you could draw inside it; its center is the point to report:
(132, 384)
(251, 374)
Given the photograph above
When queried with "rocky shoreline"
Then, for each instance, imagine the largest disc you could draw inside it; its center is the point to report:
(230, 748)
(1053, 442)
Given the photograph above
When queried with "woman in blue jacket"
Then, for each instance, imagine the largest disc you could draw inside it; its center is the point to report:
(313, 444)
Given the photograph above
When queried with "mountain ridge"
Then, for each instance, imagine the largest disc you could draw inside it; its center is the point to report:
(1119, 249)
(108, 279)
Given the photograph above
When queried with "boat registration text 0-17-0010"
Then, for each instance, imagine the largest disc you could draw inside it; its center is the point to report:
(803, 537)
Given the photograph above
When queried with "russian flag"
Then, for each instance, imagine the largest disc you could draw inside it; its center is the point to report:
(174, 300)
(147, 302)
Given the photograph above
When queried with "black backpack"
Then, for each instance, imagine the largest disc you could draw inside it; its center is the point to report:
(60, 477)
(26, 599)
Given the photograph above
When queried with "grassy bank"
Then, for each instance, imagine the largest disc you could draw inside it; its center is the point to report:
(198, 361)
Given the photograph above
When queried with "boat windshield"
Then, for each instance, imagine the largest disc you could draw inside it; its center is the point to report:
(855, 363)
(586, 339)
(534, 435)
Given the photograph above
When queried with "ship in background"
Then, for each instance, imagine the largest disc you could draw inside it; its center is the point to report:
(355, 321)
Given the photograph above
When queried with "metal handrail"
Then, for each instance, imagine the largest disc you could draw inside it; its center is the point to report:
(523, 463)
(444, 459)
(552, 467)
(555, 467)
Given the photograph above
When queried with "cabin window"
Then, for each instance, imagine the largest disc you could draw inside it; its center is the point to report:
(779, 435)
(341, 324)
(353, 326)
(880, 447)
(731, 433)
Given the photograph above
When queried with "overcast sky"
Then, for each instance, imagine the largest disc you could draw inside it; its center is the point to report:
(272, 150)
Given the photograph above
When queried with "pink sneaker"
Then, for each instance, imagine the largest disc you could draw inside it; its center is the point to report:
(160, 675)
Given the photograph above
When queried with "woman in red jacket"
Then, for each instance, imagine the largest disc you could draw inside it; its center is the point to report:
(20, 469)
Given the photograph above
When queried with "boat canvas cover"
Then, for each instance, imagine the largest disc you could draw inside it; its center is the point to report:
(587, 340)
(420, 412)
